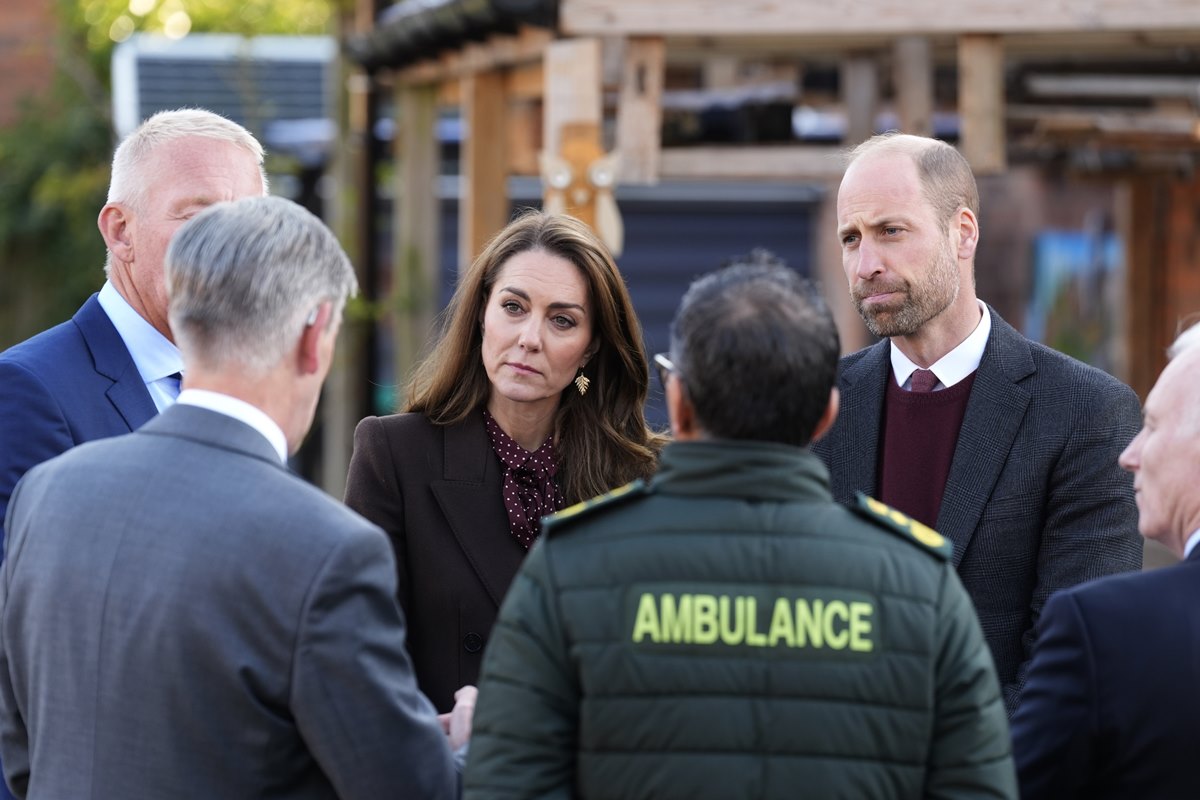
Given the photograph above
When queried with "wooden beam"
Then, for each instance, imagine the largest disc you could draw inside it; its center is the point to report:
(499, 51)
(525, 82)
(860, 96)
(639, 110)
(573, 88)
(415, 250)
(768, 162)
(720, 18)
(913, 80)
(524, 120)
(483, 210)
(981, 102)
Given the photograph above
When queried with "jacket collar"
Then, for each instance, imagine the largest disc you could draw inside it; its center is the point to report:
(212, 428)
(753, 470)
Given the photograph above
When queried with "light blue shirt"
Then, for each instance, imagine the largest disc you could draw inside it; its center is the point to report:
(241, 411)
(155, 357)
(955, 365)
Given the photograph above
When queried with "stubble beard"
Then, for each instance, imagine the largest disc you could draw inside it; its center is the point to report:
(922, 301)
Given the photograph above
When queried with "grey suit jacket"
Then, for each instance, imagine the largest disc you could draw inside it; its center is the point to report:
(1034, 501)
(181, 617)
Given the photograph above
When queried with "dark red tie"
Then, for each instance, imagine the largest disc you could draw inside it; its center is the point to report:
(923, 380)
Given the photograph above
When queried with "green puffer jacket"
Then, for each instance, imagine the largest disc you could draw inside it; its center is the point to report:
(729, 632)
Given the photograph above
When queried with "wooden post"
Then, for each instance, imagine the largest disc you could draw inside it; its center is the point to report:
(913, 78)
(639, 111)
(851, 329)
(350, 214)
(981, 102)
(483, 210)
(860, 95)
(416, 213)
(573, 84)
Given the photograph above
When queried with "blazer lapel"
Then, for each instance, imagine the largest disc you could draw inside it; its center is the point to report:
(856, 457)
(994, 414)
(470, 498)
(128, 392)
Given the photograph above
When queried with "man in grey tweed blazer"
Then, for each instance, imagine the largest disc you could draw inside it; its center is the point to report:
(180, 616)
(1033, 498)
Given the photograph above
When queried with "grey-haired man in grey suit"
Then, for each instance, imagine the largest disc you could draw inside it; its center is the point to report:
(1004, 446)
(182, 617)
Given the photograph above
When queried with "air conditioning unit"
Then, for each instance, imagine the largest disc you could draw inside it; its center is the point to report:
(276, 86)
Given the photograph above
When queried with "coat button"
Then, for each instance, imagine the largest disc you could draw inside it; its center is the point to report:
(473, 642)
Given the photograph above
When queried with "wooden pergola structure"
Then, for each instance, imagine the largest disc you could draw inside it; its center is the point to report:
(1030, 81)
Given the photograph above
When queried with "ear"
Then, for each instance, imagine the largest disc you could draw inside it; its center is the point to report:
(830, 414)
(684, 426)
(590, 353)
(310, 339)
(116, 223)
(968, 233)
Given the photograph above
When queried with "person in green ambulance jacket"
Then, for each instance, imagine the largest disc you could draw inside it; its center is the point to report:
(727, 630)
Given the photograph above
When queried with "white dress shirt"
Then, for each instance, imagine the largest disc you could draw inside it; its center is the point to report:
(1191, 543)
(955, 365)
(242, 412)
(155, 357)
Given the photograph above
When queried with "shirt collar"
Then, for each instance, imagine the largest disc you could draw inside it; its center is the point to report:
(153, 354)
(242, 412)
(955, 365)
(1191, 543)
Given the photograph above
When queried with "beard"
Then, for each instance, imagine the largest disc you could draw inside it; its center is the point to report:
(919, 302)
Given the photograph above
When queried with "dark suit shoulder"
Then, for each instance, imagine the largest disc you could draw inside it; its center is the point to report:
(42, 355)
(1136, 593)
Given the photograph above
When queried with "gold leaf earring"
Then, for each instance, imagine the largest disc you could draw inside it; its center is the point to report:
(582, 383)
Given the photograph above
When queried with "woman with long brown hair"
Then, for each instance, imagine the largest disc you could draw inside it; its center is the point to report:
(532, 400)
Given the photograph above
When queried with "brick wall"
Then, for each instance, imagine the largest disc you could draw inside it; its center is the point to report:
(26, 52)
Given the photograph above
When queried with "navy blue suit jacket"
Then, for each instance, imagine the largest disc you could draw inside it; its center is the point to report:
(1111, 704)
(71, 384)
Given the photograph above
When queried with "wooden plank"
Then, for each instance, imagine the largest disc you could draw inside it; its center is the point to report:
(852, 331)
(981, 102)
(525, 82)
(524, 120)
(499, 51)
(639, 110)
(483, 210)
(416, 259)
(860, 96)
(573, 88)
(913, 81)
(768, 162)
(720, 18)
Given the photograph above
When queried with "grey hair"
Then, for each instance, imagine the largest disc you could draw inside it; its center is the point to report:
(1185, 341)
(245, 277)
(126, 186)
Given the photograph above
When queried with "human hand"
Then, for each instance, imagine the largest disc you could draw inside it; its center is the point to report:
(457, 723)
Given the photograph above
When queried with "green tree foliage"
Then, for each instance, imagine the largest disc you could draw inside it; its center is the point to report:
(54, 160)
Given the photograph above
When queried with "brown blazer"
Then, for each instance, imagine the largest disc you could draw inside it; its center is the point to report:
(436, 491)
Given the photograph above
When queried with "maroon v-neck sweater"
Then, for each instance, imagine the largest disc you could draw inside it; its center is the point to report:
(918, 437)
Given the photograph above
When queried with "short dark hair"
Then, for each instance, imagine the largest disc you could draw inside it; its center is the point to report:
(757, 351)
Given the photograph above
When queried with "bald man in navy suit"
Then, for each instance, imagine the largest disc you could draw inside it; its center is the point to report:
(1111, 706)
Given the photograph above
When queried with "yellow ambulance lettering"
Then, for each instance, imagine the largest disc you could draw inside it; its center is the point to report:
(704, 619)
